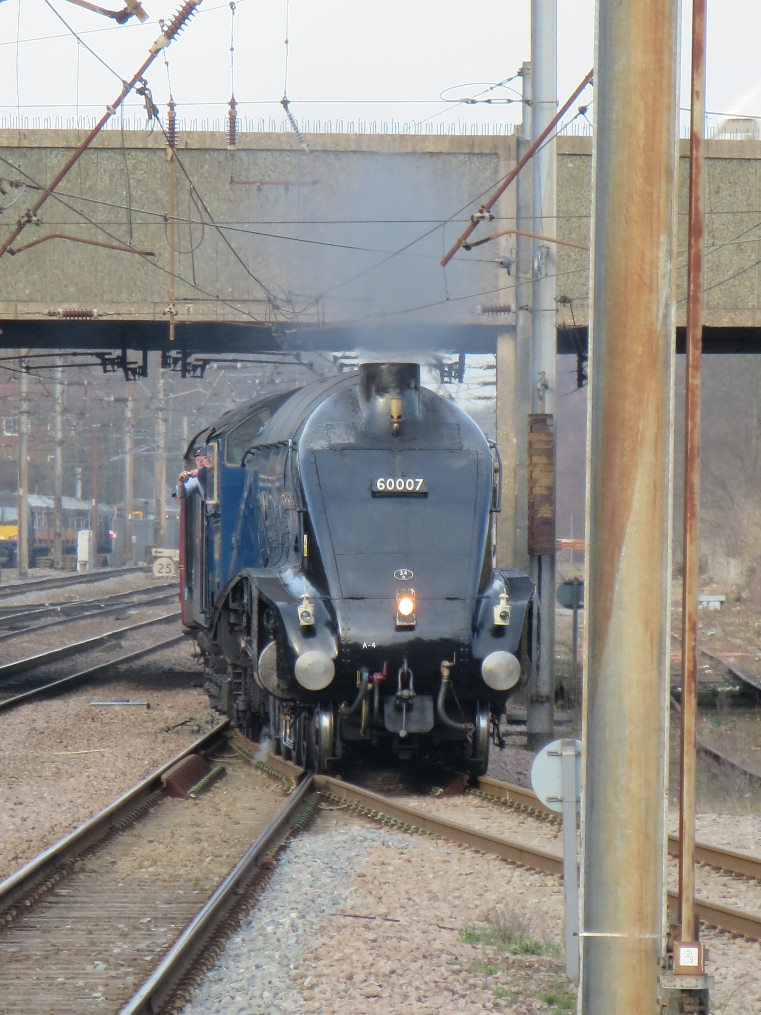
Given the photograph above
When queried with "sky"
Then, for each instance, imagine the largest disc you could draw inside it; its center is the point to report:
(404, 61)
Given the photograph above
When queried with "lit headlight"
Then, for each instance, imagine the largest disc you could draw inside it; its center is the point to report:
(501, 671)
(405, 608)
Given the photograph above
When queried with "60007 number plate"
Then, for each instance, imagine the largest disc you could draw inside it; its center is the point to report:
(399, 486)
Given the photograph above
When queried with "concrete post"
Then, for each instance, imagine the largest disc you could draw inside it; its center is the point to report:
(129, 474)
(159, 510)
(541, 703)
(22, 549)
(523, 325)
(58, 470)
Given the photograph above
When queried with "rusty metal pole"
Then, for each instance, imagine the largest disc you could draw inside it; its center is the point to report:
(694, 348)
(629, 468)
(168, 33)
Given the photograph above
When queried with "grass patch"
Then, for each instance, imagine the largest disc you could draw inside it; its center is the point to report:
(484, 967)
(508, 932)
(521, 961)
(560, 999)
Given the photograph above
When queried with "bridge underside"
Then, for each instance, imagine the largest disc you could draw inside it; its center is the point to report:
(118, 344)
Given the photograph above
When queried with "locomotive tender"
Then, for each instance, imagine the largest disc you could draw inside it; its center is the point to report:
(338, 574)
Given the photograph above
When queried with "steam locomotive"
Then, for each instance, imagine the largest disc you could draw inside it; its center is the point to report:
(337, 573)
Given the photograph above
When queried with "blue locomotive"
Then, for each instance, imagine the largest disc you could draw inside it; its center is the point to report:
(337, 572)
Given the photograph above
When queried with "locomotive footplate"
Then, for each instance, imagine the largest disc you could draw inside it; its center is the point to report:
(413, 716)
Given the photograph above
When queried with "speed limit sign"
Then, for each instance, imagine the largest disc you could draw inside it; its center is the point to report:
(165, 562)
(163, 567)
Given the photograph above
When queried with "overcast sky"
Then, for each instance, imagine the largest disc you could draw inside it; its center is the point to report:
(346, 61)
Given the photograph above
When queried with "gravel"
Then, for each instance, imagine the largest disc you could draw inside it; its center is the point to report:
(356, 919)
(368, 920)
(285, 925)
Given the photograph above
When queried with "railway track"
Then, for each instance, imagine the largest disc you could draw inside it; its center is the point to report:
(18, 621)
(743, 865)
(193, 930)
(379, 806)
(59, 581)
(416, 818)
(86, 922)
(39, 675)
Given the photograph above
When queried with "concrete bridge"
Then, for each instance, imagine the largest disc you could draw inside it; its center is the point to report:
(269, 246)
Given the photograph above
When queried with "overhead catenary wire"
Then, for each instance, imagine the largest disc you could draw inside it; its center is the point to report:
(551, 126)
(81, 41)
(285, 102)
(232, 305)
(232, 116)
(164, 39)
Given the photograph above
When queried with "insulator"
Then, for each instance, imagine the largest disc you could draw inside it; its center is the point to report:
(498, 308)
(171, 131)
(178, 21)
(302, 141)
(77, 314)
(232, 124)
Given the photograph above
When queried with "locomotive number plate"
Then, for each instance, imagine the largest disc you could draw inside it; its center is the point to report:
(399, 486)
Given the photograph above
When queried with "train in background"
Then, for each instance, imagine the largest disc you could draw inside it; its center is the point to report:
(76, 515)
(337, 573)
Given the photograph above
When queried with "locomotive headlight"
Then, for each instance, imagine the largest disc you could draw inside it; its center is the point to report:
(405, 608)
(501, 671)
(306, 612)
(502, 611)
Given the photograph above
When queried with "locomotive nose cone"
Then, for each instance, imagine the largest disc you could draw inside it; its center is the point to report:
(501, 671)
(314, 670)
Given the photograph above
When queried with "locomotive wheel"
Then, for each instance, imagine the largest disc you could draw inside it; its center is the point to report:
(276, 727)
(479, 759)
(321, 736)
(301, 740)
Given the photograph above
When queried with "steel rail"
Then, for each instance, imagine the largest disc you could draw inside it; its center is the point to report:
(38, 870)
(744, 865)
(73, 678)
(180, 957)
(43, 658)
(43, 619)
(21, 611)
(733, 921)
(374, 805)
(20, 588)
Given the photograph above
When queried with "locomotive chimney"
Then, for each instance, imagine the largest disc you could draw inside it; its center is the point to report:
(389, 395)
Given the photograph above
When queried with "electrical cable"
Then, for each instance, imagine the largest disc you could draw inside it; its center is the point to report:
(81, 41)
(285, 102)
(270, 294)
(190, 222)
(180, 278)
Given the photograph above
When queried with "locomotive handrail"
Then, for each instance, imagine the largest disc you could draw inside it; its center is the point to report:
(496, 490)
(269, 444)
